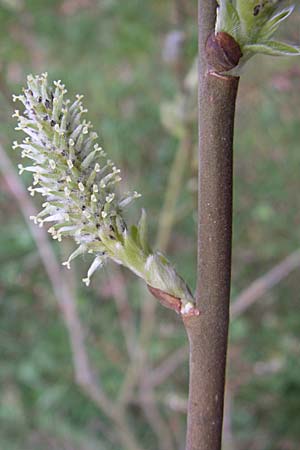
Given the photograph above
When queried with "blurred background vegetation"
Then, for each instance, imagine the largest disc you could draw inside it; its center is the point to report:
(130, 60)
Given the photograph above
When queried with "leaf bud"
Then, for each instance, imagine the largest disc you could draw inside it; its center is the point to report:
(223, 53)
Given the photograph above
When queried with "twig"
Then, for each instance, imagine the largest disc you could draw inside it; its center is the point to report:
(263, 284)
(228, 438)
(5, 91)
(208, 333)
(136, 372)
(125, 313)
(84, 375)
(167, 218)
(135, 369)
(167, 367)
(154, 417)
(61, 290)
(243, 301)
(168, 213)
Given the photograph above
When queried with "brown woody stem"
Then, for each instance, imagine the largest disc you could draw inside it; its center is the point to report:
(208, 332)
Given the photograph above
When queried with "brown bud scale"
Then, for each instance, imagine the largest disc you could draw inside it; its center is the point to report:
(174, 303)
(223, 53)
(167, 300)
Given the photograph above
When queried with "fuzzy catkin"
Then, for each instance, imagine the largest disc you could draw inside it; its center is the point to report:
(78, 182)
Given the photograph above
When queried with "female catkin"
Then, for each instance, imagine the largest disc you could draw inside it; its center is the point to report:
(79, 183)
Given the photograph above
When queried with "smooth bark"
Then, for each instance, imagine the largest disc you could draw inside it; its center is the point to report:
(208, 333)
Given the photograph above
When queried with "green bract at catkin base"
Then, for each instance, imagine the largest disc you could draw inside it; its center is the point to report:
(79, 184)
(252, 23)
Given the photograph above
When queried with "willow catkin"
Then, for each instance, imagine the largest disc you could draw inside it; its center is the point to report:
(78, 182)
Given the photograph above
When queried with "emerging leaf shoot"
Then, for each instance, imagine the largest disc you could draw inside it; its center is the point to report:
(252, 24)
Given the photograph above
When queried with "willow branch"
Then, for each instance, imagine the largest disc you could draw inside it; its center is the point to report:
(5, 91)
(154, 417)
(169, 365)
(135, 371)
(66, 303)
(125, 313)
(208, 333)
(247, 298)
(137, 366)
(168, 213)
(263, 284)
(228, 437)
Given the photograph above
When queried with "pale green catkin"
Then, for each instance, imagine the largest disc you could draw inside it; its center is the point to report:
(78, 182)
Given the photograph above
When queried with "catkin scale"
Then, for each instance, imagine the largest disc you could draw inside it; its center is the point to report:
(223, 53)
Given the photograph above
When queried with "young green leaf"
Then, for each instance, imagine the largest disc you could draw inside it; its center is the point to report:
(228, 19)
(272, 24)
(274, 48)
(252, 23)
(143, 232)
